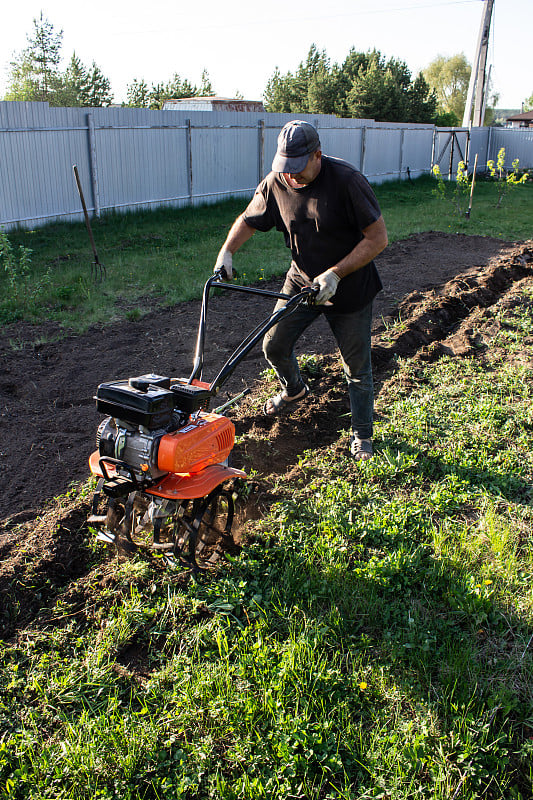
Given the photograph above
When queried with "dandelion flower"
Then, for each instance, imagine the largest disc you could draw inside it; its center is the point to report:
(362, 685)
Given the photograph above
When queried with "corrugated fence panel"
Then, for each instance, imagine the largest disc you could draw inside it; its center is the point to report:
(479, 143)
(417, 146)
(517, 143)
(131, 158)
(141, 166)
(382, 151)
(343, 143)
(271, 143)
(224, 161)
(38, 174)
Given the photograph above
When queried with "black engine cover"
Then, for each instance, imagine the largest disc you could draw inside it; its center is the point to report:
(150, 405)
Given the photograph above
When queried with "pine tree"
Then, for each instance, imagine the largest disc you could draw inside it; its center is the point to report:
(138, 94)
(98, 91)
(75, 83)
(206, 89)
(34, 73)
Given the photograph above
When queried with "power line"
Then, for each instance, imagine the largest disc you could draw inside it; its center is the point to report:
(275, 21)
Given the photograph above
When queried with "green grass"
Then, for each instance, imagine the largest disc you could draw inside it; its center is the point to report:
(373, 640)
(413, 208)
(164, 257)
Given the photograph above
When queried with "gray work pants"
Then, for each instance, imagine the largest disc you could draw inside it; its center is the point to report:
(352, 332)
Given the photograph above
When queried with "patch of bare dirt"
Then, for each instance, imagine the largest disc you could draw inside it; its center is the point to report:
(437, 288)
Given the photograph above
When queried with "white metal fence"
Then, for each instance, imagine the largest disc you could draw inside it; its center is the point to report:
(136, 158)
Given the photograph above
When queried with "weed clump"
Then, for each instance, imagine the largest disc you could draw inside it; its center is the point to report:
(23, 291)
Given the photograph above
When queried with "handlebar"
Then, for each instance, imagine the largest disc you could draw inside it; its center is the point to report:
(306, 295)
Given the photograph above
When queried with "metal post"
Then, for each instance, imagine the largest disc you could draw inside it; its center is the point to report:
(363, 149)
(260, 150)
(402, 136)
(452, 147)
(489, 145)
(93, 164)
(467, 148)
(189, 161)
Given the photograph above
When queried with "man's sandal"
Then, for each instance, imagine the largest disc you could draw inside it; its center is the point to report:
(361, 449)
(279, 403)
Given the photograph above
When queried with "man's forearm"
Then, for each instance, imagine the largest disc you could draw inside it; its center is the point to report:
(239, 233)
(374, 240)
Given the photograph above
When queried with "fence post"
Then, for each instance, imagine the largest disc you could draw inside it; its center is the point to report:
(433, 143)
(363, 149)
(189, 161)
(489, 145)
(93, 164)
(452, 148)
(402, 136)
(260, 150)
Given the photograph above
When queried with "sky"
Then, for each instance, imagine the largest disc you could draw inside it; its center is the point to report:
(240, 44)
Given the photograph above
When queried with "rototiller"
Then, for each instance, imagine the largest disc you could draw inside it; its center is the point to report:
(162, 457)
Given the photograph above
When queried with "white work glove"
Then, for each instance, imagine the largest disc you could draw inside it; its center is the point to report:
(327, 282)
(224, 262)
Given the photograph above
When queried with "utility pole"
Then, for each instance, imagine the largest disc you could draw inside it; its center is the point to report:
(478, 81)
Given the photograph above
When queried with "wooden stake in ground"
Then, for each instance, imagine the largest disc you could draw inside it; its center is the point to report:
(467, 213)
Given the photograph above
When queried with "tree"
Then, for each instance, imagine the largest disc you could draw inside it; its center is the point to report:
(98, 90)
(421, 101)
(75, 83)
(384, 91)
(84, 87)
(322, 92)
(278, 93)
(365, 85)
(375, 95)
(206, 89)
(528, 104)
(34, 73)
(312, 88)
(140, 96)
(449, 77)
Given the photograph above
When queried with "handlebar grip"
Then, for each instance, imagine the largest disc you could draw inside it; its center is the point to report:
(313, 292)
(220, 274)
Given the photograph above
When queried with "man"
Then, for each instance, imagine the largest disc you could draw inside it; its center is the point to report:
(333, 226)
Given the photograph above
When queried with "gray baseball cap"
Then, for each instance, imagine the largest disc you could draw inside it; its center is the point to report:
(296, 141)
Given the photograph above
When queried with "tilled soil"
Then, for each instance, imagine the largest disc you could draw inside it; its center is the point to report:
(47, 411)
(436, 290)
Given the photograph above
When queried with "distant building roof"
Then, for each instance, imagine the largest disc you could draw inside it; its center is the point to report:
(212, 103)
(526, 116)
(524, 120)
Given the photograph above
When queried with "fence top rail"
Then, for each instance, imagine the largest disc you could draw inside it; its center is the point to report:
(100, 127)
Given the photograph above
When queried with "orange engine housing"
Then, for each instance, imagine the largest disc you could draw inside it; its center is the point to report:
(206, 440)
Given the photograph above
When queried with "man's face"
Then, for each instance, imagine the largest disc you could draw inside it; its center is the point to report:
(310, 171)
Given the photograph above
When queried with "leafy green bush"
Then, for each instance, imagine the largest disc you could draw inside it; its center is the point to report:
(506, 180)
(23, 291)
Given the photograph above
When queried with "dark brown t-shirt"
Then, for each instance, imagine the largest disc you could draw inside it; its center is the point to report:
(322, 222)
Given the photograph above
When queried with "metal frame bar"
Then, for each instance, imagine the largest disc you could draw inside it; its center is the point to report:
(251, 339)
